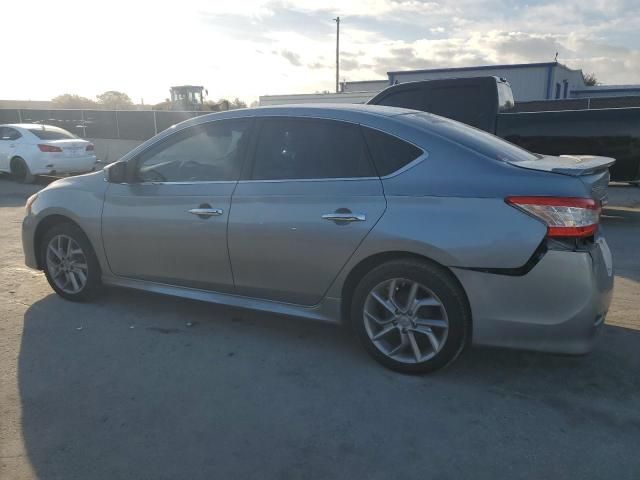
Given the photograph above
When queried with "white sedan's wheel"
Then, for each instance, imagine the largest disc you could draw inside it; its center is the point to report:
(20, 171)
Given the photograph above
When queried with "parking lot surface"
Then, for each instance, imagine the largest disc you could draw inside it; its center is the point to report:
(141, 386)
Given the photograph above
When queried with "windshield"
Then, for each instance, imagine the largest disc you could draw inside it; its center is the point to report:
(475, 139)
(51, 133)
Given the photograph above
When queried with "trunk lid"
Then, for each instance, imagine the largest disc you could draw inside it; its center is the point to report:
(593, 171)
(71, 147)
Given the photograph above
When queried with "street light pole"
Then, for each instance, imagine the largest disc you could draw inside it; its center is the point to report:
(337, 20)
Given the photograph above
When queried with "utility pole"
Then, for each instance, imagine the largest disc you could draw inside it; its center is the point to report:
(337, 20)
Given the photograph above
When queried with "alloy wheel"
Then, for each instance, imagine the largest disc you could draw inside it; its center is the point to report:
(67, 264)
(405, 320)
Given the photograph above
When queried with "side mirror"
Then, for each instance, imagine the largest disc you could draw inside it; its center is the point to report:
(116, 172)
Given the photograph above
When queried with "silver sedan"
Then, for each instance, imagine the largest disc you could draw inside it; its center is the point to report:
(422, 234)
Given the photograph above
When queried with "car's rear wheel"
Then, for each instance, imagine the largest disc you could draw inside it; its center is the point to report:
(69, 263)
(20, 171)
(411, 316)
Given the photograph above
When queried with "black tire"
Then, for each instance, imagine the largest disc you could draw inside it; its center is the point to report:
(447, 290)
(93, 276)
(20, 171)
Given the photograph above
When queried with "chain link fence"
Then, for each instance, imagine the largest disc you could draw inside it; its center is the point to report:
(120, 125)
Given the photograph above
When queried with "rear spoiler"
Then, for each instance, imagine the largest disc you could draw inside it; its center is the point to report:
(574, 165)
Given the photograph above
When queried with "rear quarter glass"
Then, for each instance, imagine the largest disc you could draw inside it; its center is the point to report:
(475, 139)
(389, 153)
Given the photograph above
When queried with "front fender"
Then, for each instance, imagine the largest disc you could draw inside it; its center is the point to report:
(79, 201)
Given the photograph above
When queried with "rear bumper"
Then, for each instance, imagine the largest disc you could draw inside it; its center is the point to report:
(65, 165)
(559, 306)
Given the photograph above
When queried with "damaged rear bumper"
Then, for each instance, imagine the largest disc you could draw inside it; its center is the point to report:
(559, 305)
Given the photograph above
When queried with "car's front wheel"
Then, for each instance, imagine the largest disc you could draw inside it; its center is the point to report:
(411, 316)
(69, 263)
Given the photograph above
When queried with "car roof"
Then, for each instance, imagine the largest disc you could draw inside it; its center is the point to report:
(342, 111)
(347, 107)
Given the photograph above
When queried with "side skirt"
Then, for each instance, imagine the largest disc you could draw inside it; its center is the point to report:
(328, 310)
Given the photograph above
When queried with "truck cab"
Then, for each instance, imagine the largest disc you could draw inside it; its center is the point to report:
(475, 101)
(487, 103)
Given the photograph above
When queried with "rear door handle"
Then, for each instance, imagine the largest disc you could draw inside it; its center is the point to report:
(345, 217)
(206, 212)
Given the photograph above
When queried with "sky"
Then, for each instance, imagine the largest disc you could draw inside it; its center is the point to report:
(248, 48)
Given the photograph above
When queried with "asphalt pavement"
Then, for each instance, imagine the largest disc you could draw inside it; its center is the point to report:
(142, 386)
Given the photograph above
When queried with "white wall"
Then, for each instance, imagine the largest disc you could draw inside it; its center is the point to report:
(373, 86)
(562, 75)
(346, 97)
(606, 91)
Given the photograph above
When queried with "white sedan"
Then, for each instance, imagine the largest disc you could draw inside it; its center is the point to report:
(27, 150)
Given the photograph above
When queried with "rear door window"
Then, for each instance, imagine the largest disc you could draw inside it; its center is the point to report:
(302, 148)
(389, 153)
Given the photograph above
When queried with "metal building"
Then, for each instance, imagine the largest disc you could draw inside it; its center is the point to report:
(529, 81)
(343, 97)
(364, 86)
(606, 91)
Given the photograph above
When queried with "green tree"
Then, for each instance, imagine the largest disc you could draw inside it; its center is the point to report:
(237, 103)
(223, 105)
(166, 105)
(71, 100)
(211, 106)
(590, 79)
(114, 100)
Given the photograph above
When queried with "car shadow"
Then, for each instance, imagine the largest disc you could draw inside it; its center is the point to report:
(144, 386)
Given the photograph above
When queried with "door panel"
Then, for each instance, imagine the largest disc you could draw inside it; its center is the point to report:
(149, 234)
(285, 243)
(280, 246)
(169, 224)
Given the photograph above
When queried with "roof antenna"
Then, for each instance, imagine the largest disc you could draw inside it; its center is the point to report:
(556, 59)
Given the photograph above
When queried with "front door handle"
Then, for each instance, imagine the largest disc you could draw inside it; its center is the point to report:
(206, 212)
(345, 217)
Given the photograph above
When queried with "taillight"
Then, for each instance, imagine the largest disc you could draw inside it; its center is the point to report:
(49, 148)
(564, 216)
(90, 147)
